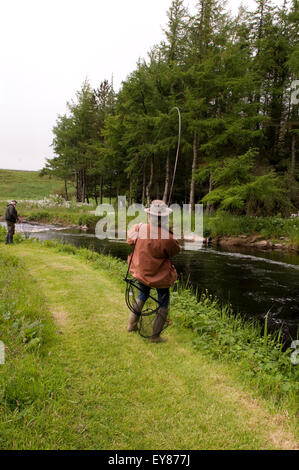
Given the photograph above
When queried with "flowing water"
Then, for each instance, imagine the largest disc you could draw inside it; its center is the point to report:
(254, 282)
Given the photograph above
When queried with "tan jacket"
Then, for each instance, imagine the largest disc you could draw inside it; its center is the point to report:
(151, 262)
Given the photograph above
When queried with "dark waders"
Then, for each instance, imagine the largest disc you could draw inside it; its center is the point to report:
(10, 232)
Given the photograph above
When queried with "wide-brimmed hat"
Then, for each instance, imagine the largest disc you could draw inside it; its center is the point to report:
(158, 208)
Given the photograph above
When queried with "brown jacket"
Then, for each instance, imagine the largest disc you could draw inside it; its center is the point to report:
(151, 262)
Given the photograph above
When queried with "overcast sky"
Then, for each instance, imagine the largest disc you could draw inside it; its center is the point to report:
(48, 48)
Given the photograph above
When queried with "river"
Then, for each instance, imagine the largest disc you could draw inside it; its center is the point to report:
(254, 282)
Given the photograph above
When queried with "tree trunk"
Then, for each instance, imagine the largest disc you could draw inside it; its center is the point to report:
(130, 191)
(166, 187)
(65, 191)
(101, 190)
(209, 205)
(293, 162)
(77, 186)
(143, 187)
(283, 129)
(83, 190)
(194, 167)
(110, 191)
(148, 188)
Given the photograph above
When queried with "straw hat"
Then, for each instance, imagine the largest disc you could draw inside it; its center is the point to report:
(158, 208)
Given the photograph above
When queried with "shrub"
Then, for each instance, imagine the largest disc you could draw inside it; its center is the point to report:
(225, 224)
(237, 189)
(89, 220)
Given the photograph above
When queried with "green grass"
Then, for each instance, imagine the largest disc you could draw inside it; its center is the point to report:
(261, 356)
(221, 334)
(17, 184)
(27, 381)
(88, 384)
(18, 237)
(61, 216)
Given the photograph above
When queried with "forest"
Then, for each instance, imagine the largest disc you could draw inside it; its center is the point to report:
(234, 81)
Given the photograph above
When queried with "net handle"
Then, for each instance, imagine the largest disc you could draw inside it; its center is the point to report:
(126, 278)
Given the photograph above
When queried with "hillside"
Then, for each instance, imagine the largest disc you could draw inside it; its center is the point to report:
(18, 184)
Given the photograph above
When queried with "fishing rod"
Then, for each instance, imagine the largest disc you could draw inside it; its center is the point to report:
(177, 151)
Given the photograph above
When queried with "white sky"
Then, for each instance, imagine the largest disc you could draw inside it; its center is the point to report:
(48, 48)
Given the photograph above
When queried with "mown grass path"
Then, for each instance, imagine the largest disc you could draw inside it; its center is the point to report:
(126, 393)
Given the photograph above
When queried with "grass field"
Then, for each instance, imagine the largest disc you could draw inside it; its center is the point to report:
(17, 184)
(86, 383)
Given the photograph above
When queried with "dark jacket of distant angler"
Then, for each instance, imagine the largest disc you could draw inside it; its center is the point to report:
(11, 214)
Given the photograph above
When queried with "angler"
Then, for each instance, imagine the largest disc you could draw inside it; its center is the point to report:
(150, 264)
(11, 217)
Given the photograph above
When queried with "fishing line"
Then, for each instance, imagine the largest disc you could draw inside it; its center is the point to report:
(177, 152)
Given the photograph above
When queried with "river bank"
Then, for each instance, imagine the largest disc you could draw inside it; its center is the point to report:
(74, 385)
(220, 229)
(254, 240)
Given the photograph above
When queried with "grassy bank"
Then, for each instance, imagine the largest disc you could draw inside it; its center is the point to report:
(17, 184)
(275, 229)
(78, 216)
(76, 379)
(28, 381)
(47, 209)
(223, 335)
(55, 211)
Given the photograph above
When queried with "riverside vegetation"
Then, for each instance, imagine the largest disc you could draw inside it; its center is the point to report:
(56, 210)
(68, 383)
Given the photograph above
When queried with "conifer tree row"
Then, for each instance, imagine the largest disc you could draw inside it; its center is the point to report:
(233, 80)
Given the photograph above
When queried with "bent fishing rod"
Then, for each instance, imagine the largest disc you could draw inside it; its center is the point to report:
(177, 152)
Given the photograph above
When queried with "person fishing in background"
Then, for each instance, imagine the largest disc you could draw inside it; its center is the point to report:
(11, 218)
(151, 264)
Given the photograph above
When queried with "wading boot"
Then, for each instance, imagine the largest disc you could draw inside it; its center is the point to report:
(159, 322)
(133, 318)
